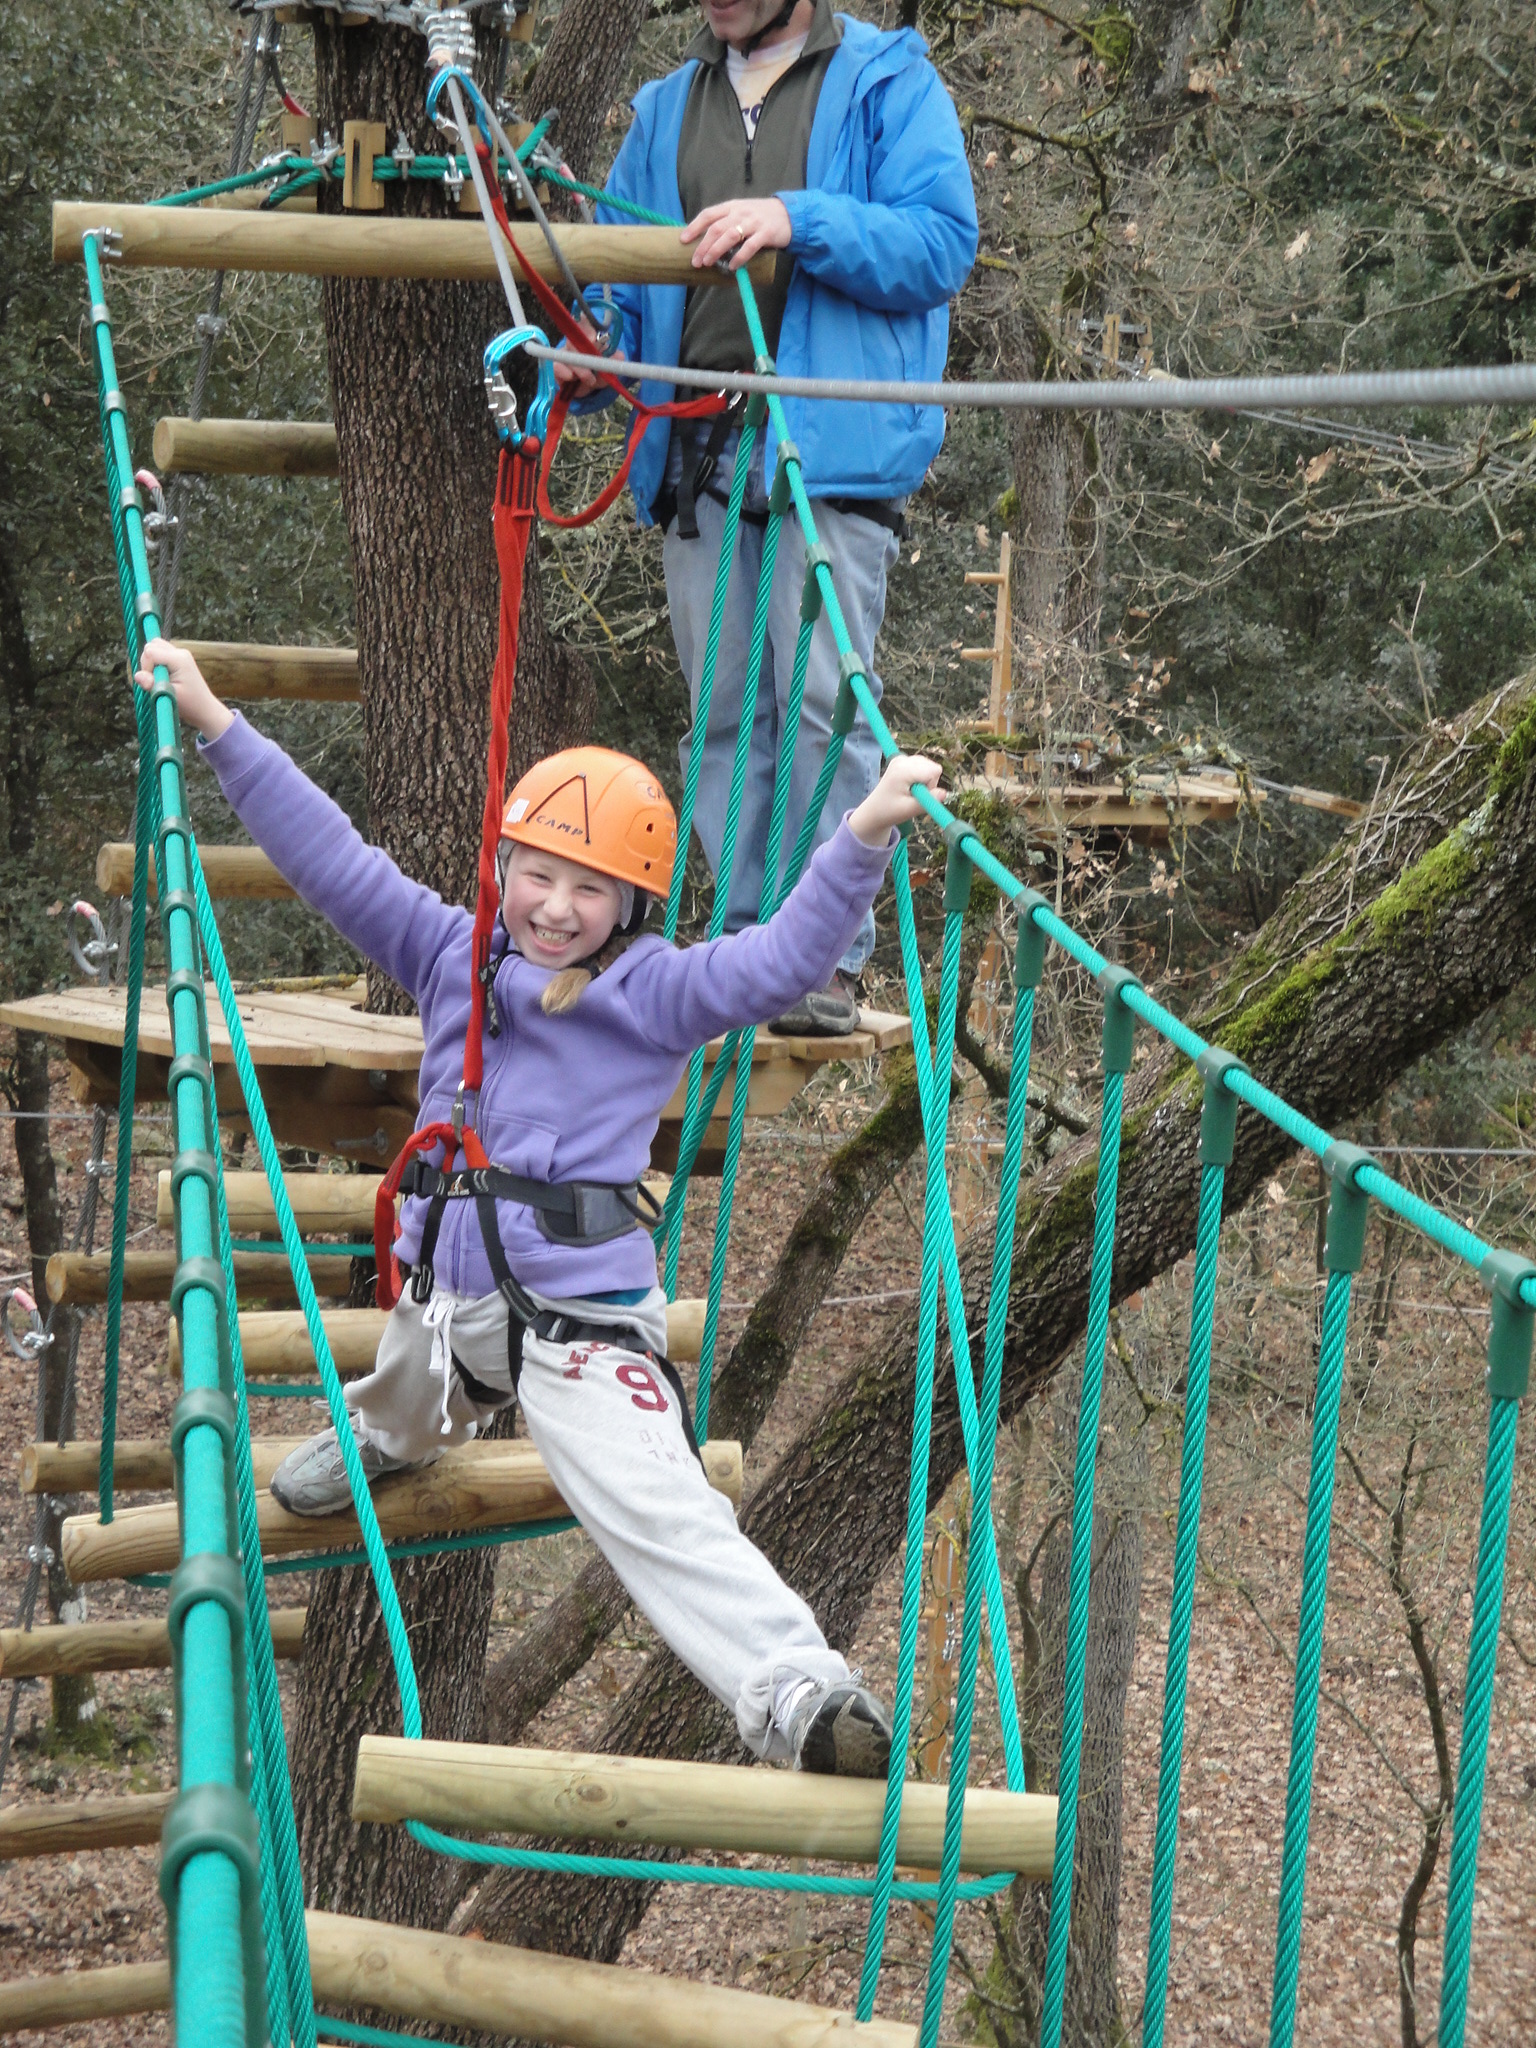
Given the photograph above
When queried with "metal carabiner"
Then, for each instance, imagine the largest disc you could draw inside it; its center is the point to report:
(93, 956)
(30, 1344)
(473, 94)
(160, 523)
(499, 394)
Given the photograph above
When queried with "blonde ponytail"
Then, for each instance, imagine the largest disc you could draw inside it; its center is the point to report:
(564, 991)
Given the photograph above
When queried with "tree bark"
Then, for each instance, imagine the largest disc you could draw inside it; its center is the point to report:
(582, 68)
(417, 463)
(1417, 920)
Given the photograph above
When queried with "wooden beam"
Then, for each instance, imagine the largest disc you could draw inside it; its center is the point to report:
(116, 1645)
(330, 245)
(244, 447)
(255, 674)
(341, 1203)
(81, 1277)
(230, 871)
(525, 1993)
(61, 2001)
(274, 1343)
(63, 1827)
(476, 1486)
(139, 1464)
(690, 1805)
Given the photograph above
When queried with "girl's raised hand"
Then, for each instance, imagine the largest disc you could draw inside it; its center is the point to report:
(196, 705)
(891, 801)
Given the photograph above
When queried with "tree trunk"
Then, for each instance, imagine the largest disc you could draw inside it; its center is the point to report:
(417, 462)
(1418, 919)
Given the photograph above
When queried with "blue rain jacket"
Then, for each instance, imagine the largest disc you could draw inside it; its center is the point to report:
(884, 235)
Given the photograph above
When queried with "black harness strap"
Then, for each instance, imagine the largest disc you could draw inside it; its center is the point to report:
(696, 475)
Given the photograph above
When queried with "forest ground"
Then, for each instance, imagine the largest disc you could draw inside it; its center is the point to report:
(83, 1911)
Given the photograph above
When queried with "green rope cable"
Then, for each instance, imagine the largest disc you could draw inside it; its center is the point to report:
(289, 1998)
(1482, 1653)
(1197, 1382)
(1309, 1651)
(983, 1540)
(935, 1200)
(1084, 1469)
(1030, 957)
(693, 1126)
(751, 684)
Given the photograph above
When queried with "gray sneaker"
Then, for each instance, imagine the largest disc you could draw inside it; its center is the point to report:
(839, 1729)
(313, 1480)
(830, 1012)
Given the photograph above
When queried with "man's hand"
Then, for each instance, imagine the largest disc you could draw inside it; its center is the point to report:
(582, 382)
(736, 229)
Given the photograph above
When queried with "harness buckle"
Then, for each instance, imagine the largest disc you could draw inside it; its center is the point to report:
(456, 1116)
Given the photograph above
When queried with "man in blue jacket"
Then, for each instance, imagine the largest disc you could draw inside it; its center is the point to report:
(793, 129)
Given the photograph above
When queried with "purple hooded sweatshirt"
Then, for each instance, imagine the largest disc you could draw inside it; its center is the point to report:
(575, 1097)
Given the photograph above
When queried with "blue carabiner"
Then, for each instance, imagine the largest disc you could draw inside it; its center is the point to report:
(473, 93)
(499, 392)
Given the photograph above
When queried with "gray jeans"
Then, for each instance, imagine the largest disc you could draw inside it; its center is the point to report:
(863, 553)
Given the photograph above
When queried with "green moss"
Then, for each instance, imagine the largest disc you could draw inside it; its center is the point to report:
(1421, 888)
(1278, 1015)
(1514, 758)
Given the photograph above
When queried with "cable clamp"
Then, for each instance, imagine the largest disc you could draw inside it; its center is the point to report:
(450, 39)
(329, 150)
(210, 326)
(109, 243)
(402, 153)
(41, 1553)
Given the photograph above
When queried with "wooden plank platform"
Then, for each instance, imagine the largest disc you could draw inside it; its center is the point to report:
(330, 245)
(184, 447)
(475, 1486)
(690, 1805)
(116, 1645)
(337, 1079)
(63, 1827)
(249, 672)
(1153, 808)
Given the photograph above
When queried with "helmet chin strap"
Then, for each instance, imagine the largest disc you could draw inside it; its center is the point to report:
(745, 49)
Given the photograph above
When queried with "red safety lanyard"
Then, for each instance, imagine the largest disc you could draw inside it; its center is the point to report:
(522, 488)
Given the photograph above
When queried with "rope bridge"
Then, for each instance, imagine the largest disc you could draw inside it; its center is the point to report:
(230, 1875)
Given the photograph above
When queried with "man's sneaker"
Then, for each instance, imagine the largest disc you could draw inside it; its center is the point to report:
(829, 1012)
(313, 1480)
(838, 1729)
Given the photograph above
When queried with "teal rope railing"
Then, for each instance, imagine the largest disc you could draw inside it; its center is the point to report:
(1117, 1064)
(210, 1855)
(1218, 1127)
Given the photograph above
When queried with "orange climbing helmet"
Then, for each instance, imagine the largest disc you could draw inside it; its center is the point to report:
(603, 810)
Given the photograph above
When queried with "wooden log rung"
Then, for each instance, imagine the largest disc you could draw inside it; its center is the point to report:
(690, 1805)
(74, 1278)
(208, 238)
(249, 672)
(78, 1995)
(116, 1645)
(274, 1344)
(64, 1827)
(243, 872)
(184, 447)
(474, 1486)
(139, 1464)
(528, 1994)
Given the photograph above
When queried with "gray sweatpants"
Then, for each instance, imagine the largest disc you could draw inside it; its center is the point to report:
(610, 1430)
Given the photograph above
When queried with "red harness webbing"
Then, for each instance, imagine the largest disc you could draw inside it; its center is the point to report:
(522, 485)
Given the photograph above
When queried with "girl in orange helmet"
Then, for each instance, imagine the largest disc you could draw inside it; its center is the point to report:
(531, 1279)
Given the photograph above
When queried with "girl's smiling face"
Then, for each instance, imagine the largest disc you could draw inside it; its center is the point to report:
(557, 912)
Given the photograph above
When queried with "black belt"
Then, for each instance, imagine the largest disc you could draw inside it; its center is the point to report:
(574, 1212)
